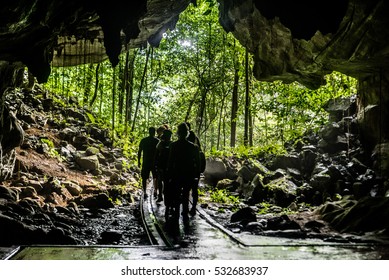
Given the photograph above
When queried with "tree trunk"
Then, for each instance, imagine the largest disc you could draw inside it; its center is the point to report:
(96, 86)
(140, 90)
(113, 101)
(129, 85)
(88, 83)
(120, 88)
(201, 113)
(234, 107)
(251, 126)
(247, 103)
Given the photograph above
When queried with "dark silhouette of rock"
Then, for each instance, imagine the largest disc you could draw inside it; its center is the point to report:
(244, 216)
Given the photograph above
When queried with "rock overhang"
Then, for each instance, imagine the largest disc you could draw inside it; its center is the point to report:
(289, 40)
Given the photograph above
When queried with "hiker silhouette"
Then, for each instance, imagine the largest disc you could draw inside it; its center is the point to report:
(147, 147)
(161, 162)
(192, 137)
(183, 168)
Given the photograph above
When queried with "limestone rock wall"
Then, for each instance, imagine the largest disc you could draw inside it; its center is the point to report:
(284, 46)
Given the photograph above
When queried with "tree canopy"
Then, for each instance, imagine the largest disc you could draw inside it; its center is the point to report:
(202, 75)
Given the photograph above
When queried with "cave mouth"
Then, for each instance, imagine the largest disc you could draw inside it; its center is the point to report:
(285, 48)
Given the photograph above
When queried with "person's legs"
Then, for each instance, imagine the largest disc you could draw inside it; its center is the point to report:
(160, 182)
(144, 184)
(195, 196)
(155, 180)
(175, 201)
(185, 203)
(145, 173)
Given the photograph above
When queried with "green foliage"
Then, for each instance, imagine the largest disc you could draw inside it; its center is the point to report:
(219, 196)
(48, 142)
(224, 197)
(90, 117)
(190, 77)
(52, 152)
(264, 208)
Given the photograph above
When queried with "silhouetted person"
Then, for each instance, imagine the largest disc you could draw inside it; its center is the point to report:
(160, 130)
(192, 137)
(158, 191)
(183, 167)
(161, 162)
(147, 146)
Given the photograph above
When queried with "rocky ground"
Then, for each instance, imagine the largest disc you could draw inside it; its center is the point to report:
(67, 183)
(323, 187)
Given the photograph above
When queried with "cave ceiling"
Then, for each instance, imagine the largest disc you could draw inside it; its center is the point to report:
(289, 40)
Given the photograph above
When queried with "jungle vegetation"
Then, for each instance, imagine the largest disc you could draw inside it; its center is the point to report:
(200, 74)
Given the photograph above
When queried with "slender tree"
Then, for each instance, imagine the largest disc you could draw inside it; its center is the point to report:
(92, 101)
(234, 107)
(113, 100)
(140, 89)
(129, 84)
(247, 102)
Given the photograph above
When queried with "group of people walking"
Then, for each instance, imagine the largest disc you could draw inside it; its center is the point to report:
(175, 167)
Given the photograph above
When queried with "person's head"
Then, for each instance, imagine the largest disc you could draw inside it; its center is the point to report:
(160, 130)
(151, 131)
(166, 135)
(182, 130)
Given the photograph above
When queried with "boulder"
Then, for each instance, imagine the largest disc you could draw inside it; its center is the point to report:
(308, 158)
(27, 192)
(75, 114)
(244, 216)
(330, 131)
(286, 161)
(96, 202)
(117, 179)
(90, 151)
(111, 236)
(340, 143)
(258, 194)
(281, 191)
(340, 107)
(99, 134)
(227, 184)
(8, 193)
(246, 174)
(321, 181)
(215, 170)
(14, 232)
(73, 188)
(81, 141)
(90, 163)
(233, 166)
(68, 134)
(282, 223)
(365, 215)
(55, 199)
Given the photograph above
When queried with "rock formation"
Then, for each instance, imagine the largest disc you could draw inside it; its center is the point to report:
(298, 41)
